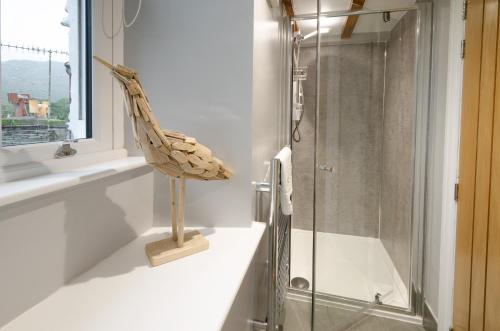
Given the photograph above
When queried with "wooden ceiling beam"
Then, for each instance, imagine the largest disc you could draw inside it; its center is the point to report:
(290, 13)
(351, 21)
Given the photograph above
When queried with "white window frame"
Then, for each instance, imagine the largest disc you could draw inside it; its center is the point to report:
(107, 141)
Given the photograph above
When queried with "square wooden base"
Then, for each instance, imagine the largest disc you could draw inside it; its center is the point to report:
(166, 250)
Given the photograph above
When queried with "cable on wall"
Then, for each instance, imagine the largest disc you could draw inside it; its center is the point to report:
(123, 20)
(128, 25)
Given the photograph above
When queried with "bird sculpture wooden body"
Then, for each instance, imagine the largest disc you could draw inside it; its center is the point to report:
(173, 154)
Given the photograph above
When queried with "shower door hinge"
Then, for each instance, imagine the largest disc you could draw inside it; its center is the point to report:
(464, 9)
(455, 194)
(462, 50)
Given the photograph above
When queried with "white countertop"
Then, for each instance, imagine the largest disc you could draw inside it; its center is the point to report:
(124, 293)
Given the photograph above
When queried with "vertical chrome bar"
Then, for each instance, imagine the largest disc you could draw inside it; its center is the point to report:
(257, 206)
(420, 148)
(260, 188)
(285, 119)
(316, 139)
(273, 246)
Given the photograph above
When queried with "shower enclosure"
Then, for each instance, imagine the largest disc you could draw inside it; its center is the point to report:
(359, 147)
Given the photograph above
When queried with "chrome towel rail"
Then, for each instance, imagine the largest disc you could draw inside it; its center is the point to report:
(279, 253)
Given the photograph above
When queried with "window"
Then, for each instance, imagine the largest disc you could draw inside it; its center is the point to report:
(95, 114)
(43, 80)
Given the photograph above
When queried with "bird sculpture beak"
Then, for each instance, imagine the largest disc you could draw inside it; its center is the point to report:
(103, 62)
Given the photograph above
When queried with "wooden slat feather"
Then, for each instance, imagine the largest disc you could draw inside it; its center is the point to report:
(172, 153)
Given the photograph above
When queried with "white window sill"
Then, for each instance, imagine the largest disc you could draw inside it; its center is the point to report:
(12, 192)
(28, 169)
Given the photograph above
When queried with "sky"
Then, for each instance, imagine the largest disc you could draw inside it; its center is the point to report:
(33, 23)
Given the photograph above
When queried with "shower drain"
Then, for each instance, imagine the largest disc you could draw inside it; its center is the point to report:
(300, 283)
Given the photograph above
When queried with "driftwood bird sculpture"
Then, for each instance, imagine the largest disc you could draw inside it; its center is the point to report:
(173, 154)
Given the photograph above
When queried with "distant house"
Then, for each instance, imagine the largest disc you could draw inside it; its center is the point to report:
(25, 106)
(39, 109)
(19, 101)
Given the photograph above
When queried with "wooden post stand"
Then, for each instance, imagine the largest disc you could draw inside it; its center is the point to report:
(180, 244)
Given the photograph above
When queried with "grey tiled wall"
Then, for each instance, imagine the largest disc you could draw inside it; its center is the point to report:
(397, 149)
(366, 133)
(350, 139)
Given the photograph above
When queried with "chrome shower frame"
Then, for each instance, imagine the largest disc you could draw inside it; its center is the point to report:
(420, 143)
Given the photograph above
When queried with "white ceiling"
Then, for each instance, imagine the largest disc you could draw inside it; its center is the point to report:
(372, 23)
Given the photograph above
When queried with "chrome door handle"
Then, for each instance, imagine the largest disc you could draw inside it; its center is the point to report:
(326, 167)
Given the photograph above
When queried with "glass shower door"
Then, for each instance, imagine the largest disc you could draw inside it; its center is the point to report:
(357, 211)
(359, 166)
(364, 155)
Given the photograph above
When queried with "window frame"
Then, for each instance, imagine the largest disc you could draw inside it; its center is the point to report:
(103, 105)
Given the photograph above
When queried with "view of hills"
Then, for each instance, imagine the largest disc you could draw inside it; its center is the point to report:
(32, 77)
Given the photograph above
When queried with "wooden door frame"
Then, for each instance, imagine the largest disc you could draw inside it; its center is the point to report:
(481, 98)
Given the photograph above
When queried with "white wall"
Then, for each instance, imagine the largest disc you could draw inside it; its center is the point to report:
(435, 151)
(450, 167)
(444, 127)
(47, 241)
(250, 302)
(266, 88)
(195, 61)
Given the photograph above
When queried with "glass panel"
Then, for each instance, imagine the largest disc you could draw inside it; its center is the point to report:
(364, 179)
(299, 305)
(40, 66)
(363, 188)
